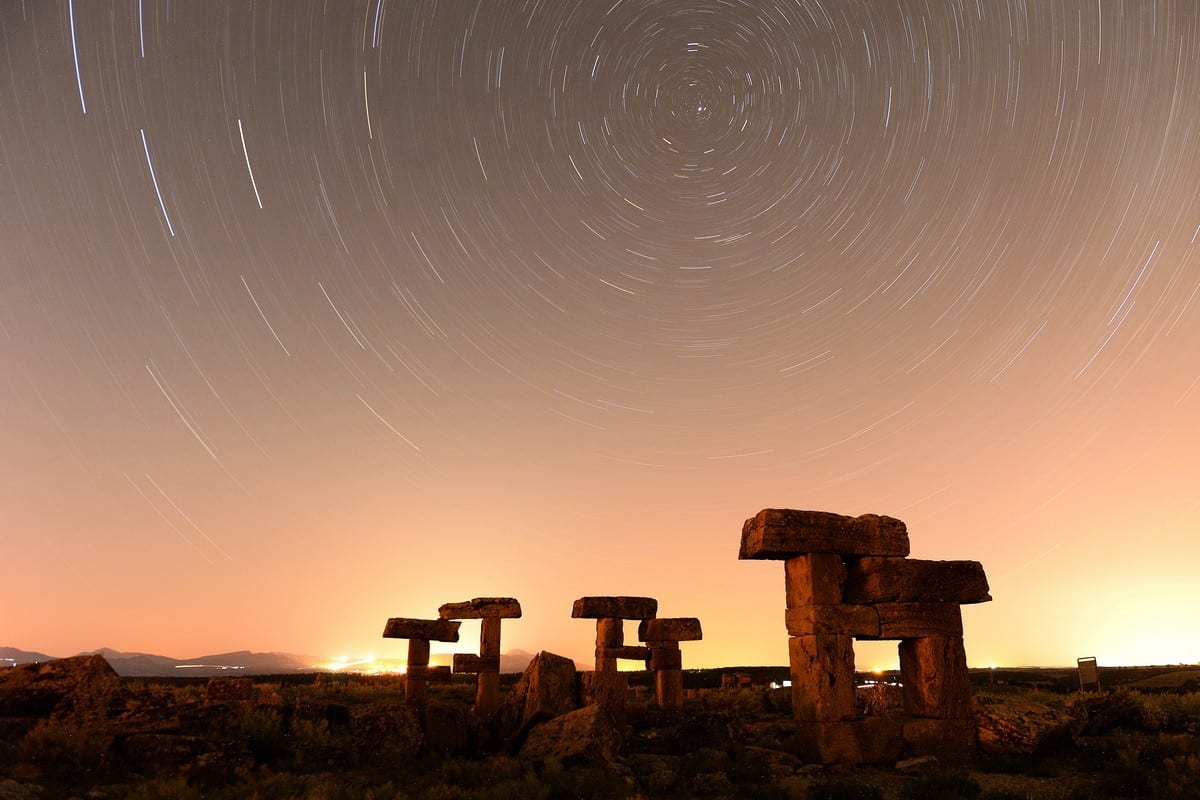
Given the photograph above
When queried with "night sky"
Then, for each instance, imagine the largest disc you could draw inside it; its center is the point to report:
(317, 313)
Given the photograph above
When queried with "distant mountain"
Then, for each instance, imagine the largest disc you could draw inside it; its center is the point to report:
(242, 662)
(11, 656)
(515, 661)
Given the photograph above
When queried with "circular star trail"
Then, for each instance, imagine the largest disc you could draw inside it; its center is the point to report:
(340, 311)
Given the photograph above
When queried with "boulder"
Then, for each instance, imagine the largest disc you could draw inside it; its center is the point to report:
(1013, 725)
(546, 689)
(36, 690)
(584, 737)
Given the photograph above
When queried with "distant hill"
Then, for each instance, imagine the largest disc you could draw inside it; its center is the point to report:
(242, 662)
(11, 656)
(148, 665)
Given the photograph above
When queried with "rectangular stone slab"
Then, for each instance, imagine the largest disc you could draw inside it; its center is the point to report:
(912, 580)
(469, 662)
(434, 630)
(615, 608)
(860, 621)
(666, 657)
(782, 533)
(670, 629)
(914, 620)
(480, 607)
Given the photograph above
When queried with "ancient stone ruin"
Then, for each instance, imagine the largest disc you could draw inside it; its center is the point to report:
(848, 578)
(486, 665)
(606, 686)
(420, 632)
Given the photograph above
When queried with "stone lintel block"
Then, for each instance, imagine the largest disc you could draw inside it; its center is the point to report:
(670, 629)
(433, 630)
(814, 579)
(875, 579)
(633, 652)
(871, 740)
(948, 739)
(913, 620)
(469, 662)
(429, 674)
(822, 670)
(782, 533)
(841, 620)
(615, 608)
(934, 673)
(480, 607)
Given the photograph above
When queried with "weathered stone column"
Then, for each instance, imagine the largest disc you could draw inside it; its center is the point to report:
(486, 665)
(662, 636)
(420, 632)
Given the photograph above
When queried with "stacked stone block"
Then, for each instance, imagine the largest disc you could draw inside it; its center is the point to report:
(420, 632)
(848, 578)
(662, 636)
(486, 665)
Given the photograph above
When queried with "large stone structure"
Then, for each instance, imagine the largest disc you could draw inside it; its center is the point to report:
(420, 632)
(486, 665)
(848, 578)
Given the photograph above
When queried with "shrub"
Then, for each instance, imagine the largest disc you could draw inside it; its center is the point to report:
(55, 745)
(941, 786)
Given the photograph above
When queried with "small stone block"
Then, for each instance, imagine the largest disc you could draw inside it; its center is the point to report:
(429, 674)
(480, 607)
(913, 580)
(872, 740)
(632, 652)
(822, 670)
(913, 620)
(665, 658)
(670, 629)
(860, 621)
(814, 579)
(434, 630)
(615, 607)
(469, 662)
(780, 533)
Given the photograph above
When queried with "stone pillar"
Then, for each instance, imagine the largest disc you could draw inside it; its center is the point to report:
(662, 636)
(420, 632)
(486, 666)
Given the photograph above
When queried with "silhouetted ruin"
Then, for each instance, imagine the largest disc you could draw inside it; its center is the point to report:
(486, 665)
(420, 632)
(848, 578)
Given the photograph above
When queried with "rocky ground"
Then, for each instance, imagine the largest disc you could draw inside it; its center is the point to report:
(72, 728)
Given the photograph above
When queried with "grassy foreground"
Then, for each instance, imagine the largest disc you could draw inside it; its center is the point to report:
(346, 736)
